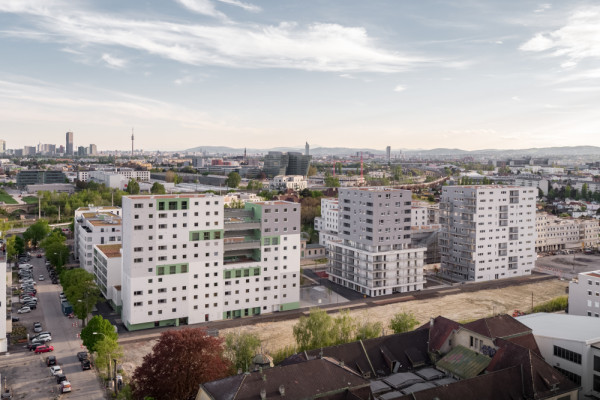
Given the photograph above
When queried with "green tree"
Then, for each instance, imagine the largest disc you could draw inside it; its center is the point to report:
(368, 330)
(314, 331)
(133, 187)
(403, 322)
(312, 170)
(107, 349)
(15, 245)
(344, 327)
(81, 291)
(331, 181)
(397, 172)
(233, 180)
(37, 232)
(240, 348)
(96, 330)
(157, 188)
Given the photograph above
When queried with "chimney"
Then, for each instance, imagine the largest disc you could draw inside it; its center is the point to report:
(431, 322)
(282, 390)
(263, 394)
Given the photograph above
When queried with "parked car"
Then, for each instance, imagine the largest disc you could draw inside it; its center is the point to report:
(60, 378)
(82, 355)
(55, 281)
(56, 370)
(43, 349)
(50, 360)
(39, 255)
(23, 310)
(86, 364)
(33, 346)
(41, 278)
(65, 387)
(42, 334)
(44, 337)
(32, 305)
(37, 326)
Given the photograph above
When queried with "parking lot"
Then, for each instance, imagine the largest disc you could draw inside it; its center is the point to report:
(26, 373)
(567, 266)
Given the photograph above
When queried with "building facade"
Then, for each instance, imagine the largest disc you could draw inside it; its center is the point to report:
(571, 344)
(107, 271)
(555, 233)
(285, 182)
(373, 254)
(35, 176)
(187, 259)
(5, 286)
(69, 144)
(584, 294)
(91, 226)
(487, 232)
(327, 223)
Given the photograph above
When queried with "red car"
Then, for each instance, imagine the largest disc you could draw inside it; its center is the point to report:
(44, 349)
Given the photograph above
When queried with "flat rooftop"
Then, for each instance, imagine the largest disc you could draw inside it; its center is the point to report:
(110, 250)
(577, 328)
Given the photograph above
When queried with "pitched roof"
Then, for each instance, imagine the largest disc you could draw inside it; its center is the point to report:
(498, 326)
(300, 381)
(439, 331)
(463, 363)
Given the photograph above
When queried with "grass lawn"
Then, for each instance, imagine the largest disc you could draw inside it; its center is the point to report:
(30, 199)
(6, 198)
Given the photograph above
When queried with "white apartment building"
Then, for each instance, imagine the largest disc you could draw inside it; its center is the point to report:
(187, 259)
(584, 294)
(107, 270)
(95, 225)
(373, 253)
(284, 182)
(327, 223)
(554, 233)
(571, 344)
(488, 232)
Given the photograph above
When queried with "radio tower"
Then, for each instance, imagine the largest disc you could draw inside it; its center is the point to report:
(361, 167)
(131, 142)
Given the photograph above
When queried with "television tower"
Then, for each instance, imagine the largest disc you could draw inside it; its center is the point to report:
(131, 142)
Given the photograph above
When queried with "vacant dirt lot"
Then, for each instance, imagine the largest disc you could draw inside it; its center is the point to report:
(454, 305)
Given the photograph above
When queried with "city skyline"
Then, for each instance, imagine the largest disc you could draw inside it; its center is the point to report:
(270, 74)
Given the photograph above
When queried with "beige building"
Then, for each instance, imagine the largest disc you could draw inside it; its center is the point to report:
(554, 233)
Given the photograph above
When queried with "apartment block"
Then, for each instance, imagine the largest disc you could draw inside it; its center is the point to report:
(584, 294)
(488, 232)
(5, 295)
(187, 259)
(373, 253)
(555, 233)
(95, 225)
(107, 270)
(327, 223)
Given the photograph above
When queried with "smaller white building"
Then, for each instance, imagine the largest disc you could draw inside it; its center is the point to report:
(584, 294)
(5, 325)
(107, 270)
(571, 344)
(327, 223)
(284, 182)
(99, 225)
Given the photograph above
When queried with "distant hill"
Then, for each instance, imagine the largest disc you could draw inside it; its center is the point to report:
(341, 151)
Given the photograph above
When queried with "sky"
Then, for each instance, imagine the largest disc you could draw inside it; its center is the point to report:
(468, 74)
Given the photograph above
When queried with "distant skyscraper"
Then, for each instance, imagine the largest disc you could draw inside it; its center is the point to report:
(306, 149)
(93, 150)
(131, 142)
(388, 153)
(69, 144)
(2, 146)
(81, 151)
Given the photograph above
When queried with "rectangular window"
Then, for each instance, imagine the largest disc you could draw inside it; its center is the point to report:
(567, 355)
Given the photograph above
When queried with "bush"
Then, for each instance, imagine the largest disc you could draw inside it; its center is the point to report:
(557, 304)
(283, 353)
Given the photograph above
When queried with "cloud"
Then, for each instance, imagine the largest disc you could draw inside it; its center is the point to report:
(204, 7)
(245, 6)
(399, 88)
(543, 7)
(516, 98)
(578, 39)
(347, 76)
(113, 62)
(312, 47)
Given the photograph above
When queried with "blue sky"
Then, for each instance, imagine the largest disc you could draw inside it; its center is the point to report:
(410, 74)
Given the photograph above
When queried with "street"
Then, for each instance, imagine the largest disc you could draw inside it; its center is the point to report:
(26, 372)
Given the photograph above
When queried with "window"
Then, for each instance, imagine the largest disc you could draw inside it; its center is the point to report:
(571, 376)
(567, 355)
(138, 205)
(138, 227)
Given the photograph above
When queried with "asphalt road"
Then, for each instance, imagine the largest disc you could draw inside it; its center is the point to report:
(85, 384)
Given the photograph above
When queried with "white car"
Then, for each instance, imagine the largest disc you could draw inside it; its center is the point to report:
(23, 310)
(41, 278)
(43, 337)
(56, 370)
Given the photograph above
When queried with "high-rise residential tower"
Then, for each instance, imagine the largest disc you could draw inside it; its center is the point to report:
(488, 232)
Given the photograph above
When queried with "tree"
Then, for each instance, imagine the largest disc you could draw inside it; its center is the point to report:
(313, 331)
(133, 187)
(240, 348)
(81, 291)
(312, 170)
(97, 329)
(403, 322)
(14, 246)
(178, 364)
(37, 232)
(332, 181)
(233, 179)
(368, 330)
(107, 349)
(157, 188)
